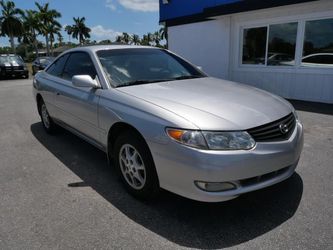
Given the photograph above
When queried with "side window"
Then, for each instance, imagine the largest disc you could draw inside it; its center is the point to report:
(79, 63)
(56, 68)
(318, 42)
(254, 45)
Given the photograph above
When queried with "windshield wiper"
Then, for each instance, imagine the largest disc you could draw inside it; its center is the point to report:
(186, 77)
(138, 82)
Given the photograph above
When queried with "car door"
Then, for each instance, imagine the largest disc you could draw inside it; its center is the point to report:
(77, 105)
(51, 82)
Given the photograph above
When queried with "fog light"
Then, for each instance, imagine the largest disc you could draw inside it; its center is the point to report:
(215, 186)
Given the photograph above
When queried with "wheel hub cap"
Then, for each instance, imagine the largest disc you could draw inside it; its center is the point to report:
(45, 116)
(132, 166)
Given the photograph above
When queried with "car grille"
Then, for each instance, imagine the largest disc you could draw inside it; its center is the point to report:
(14, 68)
(273, 131)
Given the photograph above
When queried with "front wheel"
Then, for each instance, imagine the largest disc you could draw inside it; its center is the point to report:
(135, 165)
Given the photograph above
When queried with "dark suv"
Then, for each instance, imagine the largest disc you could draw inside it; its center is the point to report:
(13, 66)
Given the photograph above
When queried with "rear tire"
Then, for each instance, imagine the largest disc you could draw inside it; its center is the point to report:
(135, 165)
(48, 124)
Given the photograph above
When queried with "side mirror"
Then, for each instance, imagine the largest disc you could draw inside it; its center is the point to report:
(84, 81)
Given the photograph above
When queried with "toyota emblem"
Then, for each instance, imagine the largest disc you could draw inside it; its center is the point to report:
(284, 128)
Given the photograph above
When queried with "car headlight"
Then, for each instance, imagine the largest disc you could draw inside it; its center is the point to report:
(190, 138)
(234, 140)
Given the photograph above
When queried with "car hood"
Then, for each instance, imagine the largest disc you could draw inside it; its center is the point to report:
(214, 104)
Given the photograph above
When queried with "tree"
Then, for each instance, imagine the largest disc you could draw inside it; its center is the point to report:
(164, 34)
(157, 38)
(52, 31)
(47, 19)
(11, 24)
(78, 30)
(147, 39)
(119, 39)
(135, 39)
(69, 31)
(30, 29)
(126, 38)
(60, 39)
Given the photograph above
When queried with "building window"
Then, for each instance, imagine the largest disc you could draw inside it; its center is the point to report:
(254, 45)
(281, 45)
(318, 43)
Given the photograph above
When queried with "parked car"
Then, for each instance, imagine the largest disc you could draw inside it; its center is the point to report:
(278, 58)
(40, 63)
(319, 59)
(13, 66)
(163, 123)
(314, 60)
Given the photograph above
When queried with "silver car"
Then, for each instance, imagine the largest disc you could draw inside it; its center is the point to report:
(163, 123)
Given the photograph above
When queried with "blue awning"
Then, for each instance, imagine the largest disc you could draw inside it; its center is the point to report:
(177, 12)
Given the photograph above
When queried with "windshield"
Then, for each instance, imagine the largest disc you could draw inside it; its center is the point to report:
(11, 59)
(126, 67)
(46, 60)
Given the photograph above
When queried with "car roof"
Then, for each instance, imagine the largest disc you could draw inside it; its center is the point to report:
(319, 54)
(95, 48)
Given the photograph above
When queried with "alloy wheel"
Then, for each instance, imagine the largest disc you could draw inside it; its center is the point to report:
(45, 116)
(132, 166)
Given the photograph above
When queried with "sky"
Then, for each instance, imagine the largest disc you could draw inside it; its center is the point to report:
(106, 18)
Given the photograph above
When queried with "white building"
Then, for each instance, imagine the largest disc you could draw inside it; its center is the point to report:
(285, 47)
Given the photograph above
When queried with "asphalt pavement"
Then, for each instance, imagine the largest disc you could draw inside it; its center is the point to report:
(57, 192)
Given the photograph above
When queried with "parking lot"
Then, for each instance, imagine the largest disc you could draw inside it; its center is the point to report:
(58, 192)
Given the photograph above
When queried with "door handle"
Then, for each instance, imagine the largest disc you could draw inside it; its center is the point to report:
(57, 93)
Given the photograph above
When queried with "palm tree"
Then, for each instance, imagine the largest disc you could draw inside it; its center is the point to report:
(69, 31)
(119, 39)
(11, 24)
(30, 27)
(47, 18)
(60, 39)
(157, 38)
(126, 38)
(52, 31)
(135, 39)
(164, 34)
(150, 38)
(145, 40)
(79, 30)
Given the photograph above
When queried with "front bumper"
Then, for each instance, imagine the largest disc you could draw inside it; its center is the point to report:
(178, 167)
(14, 73)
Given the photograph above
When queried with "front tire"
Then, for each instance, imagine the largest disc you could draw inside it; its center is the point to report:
(135, 166)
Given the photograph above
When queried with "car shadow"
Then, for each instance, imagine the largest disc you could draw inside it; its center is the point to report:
(182, 221)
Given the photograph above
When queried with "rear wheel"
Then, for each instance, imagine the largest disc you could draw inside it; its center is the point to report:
(48, 124)
(135, 165)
